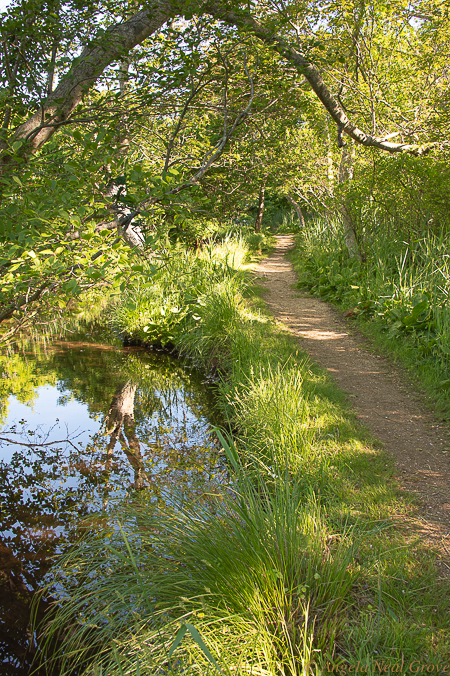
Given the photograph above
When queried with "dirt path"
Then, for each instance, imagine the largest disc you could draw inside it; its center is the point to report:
(382, 399)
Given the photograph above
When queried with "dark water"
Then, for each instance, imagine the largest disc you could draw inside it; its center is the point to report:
(86, 428)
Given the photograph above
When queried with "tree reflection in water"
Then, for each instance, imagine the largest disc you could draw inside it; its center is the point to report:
(120, 426)
(138, 423)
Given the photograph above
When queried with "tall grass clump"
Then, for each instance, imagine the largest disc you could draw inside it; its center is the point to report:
(254, 570)
(272, 413)
(173, 289)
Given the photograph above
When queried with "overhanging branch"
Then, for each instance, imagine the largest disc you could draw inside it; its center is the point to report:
(312, 75)
(117, 41)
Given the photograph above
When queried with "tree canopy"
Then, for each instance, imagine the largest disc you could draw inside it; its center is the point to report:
(123, 121)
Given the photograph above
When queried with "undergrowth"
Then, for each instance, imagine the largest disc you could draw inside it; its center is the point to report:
(399, 293)
(177, 286)
(297, 567)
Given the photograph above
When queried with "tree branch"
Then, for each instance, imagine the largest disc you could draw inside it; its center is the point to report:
(42, 445)
(313, 76)
(196, 90)
(116, 42)
(123, 222)
(23, 300)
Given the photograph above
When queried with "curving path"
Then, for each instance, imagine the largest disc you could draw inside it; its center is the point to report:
(383, 401)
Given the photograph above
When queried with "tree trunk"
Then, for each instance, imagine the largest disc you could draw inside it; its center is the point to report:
(330, 168)
(345, 178)
(260, 214)
(297, 208)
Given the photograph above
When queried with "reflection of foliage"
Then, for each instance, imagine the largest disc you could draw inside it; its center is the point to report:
(167, 427)
(162, 444)
(19, 378)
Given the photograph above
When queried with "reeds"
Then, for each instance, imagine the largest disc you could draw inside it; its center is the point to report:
(253, 570)
(402, 287)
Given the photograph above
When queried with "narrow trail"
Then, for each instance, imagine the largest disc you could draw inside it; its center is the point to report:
(382, 399)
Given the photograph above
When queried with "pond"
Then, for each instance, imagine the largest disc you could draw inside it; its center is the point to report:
(86, 427)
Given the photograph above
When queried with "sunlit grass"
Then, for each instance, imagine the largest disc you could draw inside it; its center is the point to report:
(297, 563)
(399, 294)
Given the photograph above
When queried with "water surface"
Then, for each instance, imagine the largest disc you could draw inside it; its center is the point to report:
(87, 428)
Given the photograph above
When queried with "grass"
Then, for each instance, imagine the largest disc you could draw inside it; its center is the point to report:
(297, 567)
(398, 295)
(248, 569)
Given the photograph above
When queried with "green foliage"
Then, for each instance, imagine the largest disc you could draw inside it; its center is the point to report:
(273, 414)
(277, 216)
(195, 231)
(20, 379)
(288, 223)
(401, 288)
(256, 241)
(152, 138)
(153, 314)
(406, 197)
(287, 568)
(173, 296)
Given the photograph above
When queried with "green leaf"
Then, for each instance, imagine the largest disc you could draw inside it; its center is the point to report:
(178, 638)
(72, 286)
(409, 320)
(230, 450)
(187, 627)
(419, 308)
